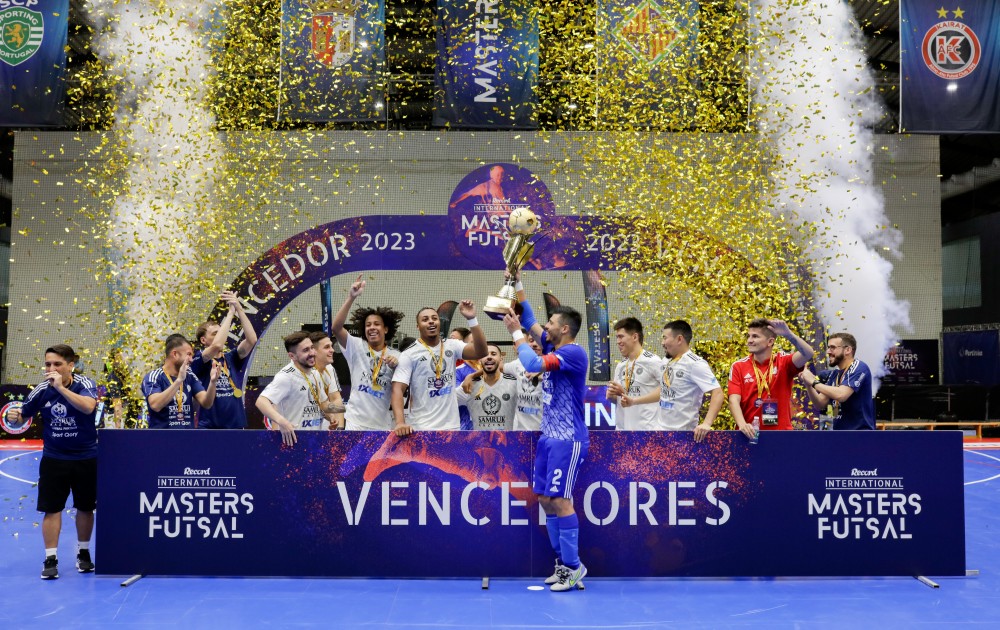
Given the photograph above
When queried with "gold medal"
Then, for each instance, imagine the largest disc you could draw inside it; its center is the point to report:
(237, 392)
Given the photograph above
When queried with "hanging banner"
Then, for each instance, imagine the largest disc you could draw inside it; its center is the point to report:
(459, 504)
(647, 61)
(332, 56)
(487, 66)
(911, 362)
(972, 358)
(32, 62)
(598, 327)
(950, 63)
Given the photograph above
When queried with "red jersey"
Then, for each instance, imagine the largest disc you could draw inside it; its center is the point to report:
(743, 381)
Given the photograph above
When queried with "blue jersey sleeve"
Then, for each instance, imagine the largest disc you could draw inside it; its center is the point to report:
(150, 386)
(30, 406)
(527, 316)
(572, 358)
(531, 361)
(196, 386)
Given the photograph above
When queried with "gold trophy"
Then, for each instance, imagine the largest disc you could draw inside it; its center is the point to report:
(521, 225)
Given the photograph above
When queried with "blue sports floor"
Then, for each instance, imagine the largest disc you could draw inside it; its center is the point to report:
(77, 600)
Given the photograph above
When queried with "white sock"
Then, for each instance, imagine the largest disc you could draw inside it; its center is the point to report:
(82, 545)
(50, 552)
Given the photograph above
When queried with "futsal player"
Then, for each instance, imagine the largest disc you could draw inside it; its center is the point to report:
(686, 378)
(635, 387)
(562, 447)
(66, 403)
(295, 399)
(490, 394)
(427, 370)
(328, 376)
(169, 389)
(528, 415)
(227, 412)
(371, 361)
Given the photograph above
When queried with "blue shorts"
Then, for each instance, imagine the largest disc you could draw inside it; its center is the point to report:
(557, 463)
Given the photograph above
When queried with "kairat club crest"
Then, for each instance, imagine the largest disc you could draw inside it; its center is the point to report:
(951, 49)
(332, 36)
(21, 34)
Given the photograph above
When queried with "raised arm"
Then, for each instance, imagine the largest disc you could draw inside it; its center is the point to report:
(527, 314)
(337, 326)
(477, 349)
(218, 345)
(803, 351)
(249, 334)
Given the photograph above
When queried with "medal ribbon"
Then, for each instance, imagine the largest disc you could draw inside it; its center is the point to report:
(666, 372)
(377, 366)
(439, 363)
(763, 383)
(326, 386)
(840, 379)
(179, 397)
(313, 388)
(225, 370)
(629, 373)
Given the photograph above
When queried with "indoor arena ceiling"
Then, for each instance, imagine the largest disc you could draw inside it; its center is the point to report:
(413, 53)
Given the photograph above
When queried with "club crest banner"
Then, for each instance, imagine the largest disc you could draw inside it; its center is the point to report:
(647, 60)
(487, 66)
(332, 55)
(950, 63)
(32, 61)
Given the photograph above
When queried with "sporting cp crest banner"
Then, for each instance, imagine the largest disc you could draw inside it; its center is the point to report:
(647, 62)
(32, 61)
(487, 64)
(332, 55)
(950, 55)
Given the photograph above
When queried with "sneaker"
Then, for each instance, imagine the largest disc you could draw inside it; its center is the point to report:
(569, 578)
(50, 569)
(552, 579)
(83, 562)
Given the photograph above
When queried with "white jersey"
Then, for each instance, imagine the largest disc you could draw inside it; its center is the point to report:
(331, 385)
(491, 407)
(368, 403)
(528, 416)
(296, 397)
(430, 374)
(685, 383)
(643, 377)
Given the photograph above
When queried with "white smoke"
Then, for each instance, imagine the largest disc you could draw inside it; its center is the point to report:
(165, 131)
(817, 104)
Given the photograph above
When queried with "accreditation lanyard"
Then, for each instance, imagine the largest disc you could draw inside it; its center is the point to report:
(377, 365)
(313, 388)
(837, 383)
(178, 397)
(763, 382)
(438, 363)
(225, 370)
